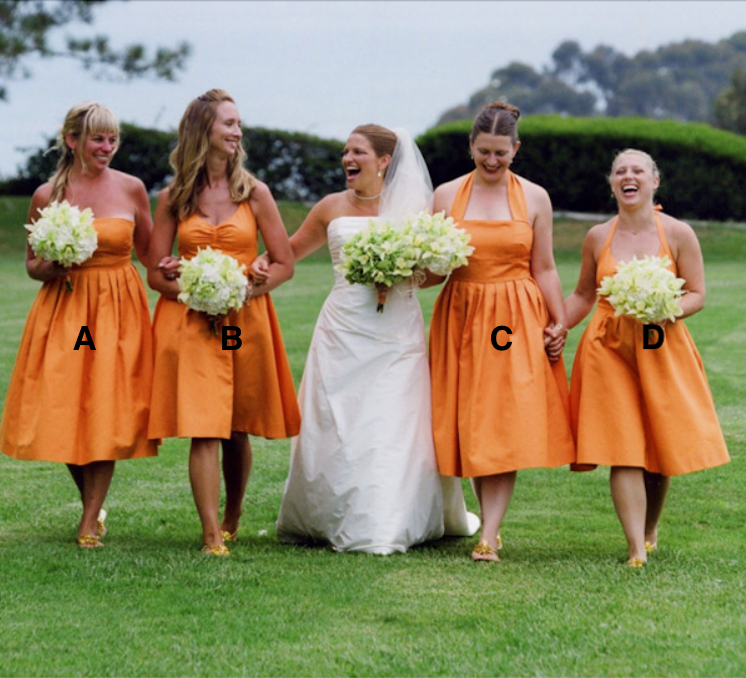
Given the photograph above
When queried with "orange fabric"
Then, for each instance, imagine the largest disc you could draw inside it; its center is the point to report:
(203, 391)
(646, 408)
(496, 411)
(82, 406)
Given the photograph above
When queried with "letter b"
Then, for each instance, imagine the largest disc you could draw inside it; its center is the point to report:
(646, 329)
(233, 336)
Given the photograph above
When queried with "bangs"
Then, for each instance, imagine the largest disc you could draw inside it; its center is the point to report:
(100, 119)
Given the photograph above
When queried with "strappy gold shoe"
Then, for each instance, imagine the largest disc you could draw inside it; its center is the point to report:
(217, 550)
(483, 551)
(228, 536)
(636, 563)
(499, 543)
(90, 541)
(100, 525)
(651, 546)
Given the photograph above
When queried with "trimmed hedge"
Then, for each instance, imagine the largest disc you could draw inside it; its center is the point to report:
(703, 170)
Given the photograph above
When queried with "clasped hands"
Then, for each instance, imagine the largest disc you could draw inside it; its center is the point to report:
(555, 336)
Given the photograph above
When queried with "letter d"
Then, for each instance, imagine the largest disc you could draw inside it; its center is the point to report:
(234, 336)
(645, 336)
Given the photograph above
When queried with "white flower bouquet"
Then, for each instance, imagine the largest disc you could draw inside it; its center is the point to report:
(443, 246)
(645, 290)
(63, 234)
(212, 283)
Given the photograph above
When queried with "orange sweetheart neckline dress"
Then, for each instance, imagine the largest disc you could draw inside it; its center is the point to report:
(203, 391)
(82, 406)
(496, 411)
(646, 408)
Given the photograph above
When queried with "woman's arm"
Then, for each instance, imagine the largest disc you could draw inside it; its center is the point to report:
(161, 244)
(690, 266)
(269, 222)
(143, 220)
(580, 303)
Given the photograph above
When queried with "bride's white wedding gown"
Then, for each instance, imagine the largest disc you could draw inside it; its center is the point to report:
(363, 473)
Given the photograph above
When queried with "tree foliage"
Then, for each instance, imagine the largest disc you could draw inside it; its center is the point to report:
(679, 81)
(29, 28)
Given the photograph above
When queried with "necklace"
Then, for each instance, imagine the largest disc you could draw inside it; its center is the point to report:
(364, 197)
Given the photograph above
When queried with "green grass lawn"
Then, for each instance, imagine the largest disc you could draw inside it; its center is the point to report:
(561, 603)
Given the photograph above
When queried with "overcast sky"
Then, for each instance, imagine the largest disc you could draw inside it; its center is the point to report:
(325, 67)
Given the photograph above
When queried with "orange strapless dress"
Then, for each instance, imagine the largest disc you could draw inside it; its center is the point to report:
(203, 391)
(82, 406)
(496, 411)
(646, 408)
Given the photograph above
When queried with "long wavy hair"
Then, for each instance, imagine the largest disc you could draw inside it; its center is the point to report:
(80, 122)
(189, 158)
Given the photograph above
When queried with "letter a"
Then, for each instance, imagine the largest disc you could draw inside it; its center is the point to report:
(645, 336)
(88, 341)
(234, 336)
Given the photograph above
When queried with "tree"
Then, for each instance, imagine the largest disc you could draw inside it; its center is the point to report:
(27, 28)
(730, 105)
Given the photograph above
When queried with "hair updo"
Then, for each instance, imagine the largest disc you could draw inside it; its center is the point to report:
(497, 118)
(382, 139)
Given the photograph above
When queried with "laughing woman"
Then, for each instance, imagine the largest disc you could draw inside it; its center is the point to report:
(88, 407)
(648, 414)
(200, 390)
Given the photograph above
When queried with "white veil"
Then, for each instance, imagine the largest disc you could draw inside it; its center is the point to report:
(407, 188)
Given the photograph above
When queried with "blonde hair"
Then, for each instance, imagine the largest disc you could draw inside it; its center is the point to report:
(189, 158)
(80, 122)
(497, 118)
(653, 166)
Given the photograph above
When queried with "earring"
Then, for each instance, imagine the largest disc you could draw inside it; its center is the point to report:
(379, 173)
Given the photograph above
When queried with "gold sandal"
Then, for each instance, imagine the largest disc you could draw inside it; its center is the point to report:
(651, 546)
(100, 526)
(483, 551)
(228, 536)
(636, 563)
(217, 550)
(90, 541)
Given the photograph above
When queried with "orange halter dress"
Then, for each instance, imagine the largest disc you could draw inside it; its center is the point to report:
(201, 390)
(496, 411)
(82, 406)
(632, 406)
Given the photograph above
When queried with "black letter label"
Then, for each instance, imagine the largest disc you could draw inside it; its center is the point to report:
(88, 341)
(234, 336)
(646, 335)
(501, 347)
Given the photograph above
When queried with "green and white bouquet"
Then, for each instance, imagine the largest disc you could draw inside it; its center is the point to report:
(384, 254)
(63, 234)
(443, 246)
(644, 289)
(380, 255)
(212, 283)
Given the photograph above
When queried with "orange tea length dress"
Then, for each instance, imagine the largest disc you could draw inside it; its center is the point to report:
(496, 411)
(82, 406)
(646, 408)
(203, 391)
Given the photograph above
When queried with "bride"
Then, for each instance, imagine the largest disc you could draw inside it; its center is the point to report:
(363, 472)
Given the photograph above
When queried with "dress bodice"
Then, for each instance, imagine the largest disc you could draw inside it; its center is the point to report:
(115, 240)
(236, 236)
(502, 249)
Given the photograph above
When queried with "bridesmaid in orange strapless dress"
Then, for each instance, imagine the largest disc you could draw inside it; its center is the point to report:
(646, 413)
(201, 390)
(87, 408)
(500, 398)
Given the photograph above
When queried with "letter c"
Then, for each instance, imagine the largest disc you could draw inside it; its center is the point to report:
(501, 347)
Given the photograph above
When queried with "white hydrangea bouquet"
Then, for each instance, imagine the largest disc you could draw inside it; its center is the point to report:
(63, 234)
(644, 289)
(213, 283)
(384, 254)
(443, 246)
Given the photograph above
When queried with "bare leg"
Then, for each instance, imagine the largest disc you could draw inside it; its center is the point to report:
(204, 476)
(96, 479)
(494, 495)
(237, 460)
(630, 502)
(77, 473)
(656, 490)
